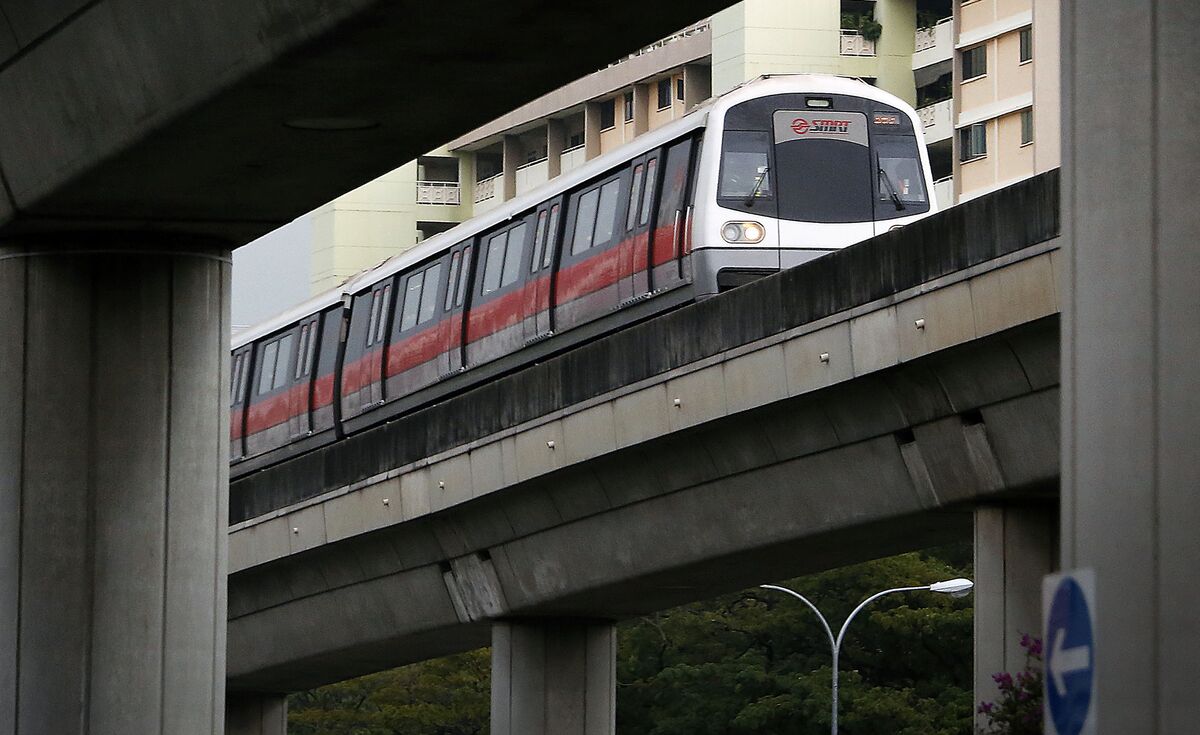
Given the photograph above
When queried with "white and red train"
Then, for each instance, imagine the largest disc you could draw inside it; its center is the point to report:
(770, 175)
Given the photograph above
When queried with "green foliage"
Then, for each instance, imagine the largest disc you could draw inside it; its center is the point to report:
(751, 662)
(447, 696)
(864, 23)
(759, 662)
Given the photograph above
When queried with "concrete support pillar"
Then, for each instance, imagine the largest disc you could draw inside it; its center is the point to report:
(1015, 546)
(554, 677)
(256, 714)
(697, 85)
(641, 109)
(1131, 346)
(556, 142)
(512, 158)
(114, 358)
(591, 130)
(466, 180)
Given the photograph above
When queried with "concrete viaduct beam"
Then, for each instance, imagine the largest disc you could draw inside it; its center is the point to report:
(232, 117)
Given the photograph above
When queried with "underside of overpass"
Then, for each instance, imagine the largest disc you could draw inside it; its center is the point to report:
(796, 424)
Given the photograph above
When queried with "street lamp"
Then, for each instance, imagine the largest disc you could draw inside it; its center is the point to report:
(953, 587)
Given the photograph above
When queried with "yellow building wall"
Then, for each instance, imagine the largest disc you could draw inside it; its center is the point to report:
(1012, 77)
(980, 172)
(976, 14)
(1015, 160)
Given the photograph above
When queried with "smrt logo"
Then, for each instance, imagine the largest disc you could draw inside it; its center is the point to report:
(800, 126)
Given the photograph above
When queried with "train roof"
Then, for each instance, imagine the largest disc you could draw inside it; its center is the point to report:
(291, 316)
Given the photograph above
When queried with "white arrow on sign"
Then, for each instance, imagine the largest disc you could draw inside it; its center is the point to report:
(1067, 661)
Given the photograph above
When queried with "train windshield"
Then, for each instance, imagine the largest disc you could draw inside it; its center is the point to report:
(899, 183)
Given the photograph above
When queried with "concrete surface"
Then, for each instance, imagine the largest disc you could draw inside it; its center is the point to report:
(256, 714)
(213, 116)
(113, 373)
(554, 677)
(1131, 344)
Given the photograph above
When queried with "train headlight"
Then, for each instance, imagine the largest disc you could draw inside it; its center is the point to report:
(739, 232)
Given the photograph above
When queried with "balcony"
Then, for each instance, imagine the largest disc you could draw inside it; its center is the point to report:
(488, 193)
(573, 158)
(439, 192)
(853, 44)
(936, 121)
(532, 175)
(934, 44)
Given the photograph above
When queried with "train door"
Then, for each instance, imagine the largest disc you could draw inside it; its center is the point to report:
(239, 371)
(635, 260)
(416, 355)
(670, 238)
(494, 320)
(268, 418)
(458, 284)
(300, 395)
(586, 283)
(324, 373)
(362, 366)
(537, 308)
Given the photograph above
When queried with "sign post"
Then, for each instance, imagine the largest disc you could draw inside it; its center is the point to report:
(1068, 605)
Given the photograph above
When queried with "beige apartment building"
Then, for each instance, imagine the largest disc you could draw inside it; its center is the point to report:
(912, 48)
(1006, 101)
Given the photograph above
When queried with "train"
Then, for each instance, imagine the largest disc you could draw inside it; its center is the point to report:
(774, 173)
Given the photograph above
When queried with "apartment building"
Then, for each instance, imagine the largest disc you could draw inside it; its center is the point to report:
(1006, 101)
(964, 64)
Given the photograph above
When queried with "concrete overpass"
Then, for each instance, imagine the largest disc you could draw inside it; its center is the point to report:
(861, 405)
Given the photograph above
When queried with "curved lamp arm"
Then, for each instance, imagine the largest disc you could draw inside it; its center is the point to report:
(802, 598)
(868, 601)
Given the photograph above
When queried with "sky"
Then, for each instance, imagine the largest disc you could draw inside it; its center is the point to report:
(273, 273)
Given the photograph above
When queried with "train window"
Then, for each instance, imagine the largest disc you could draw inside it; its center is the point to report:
(539, 242)
(635, 193)
(281, 362)
(302, 353)
(585, 221)
(825, 177)
(551, 237)
(899, 172)
(370, 338)
(745, 165)
(494, 262)
(461, 291)
(385, 305)
(312, 347)
(433, 277)
(513, 255)
(648, 191)
(412, 301)
(266, 370)
(606, 213)
(239, 366)
(452, 281)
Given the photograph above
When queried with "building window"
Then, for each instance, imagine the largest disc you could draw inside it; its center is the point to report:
(664, 93)
(1026, 127)
(575, 141)
(1026, 44)
(679, 89)
(972, 142)
(974, 63)
(628, 106)
(608, 114)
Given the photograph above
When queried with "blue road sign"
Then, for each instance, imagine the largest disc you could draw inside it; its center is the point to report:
(1070, 646)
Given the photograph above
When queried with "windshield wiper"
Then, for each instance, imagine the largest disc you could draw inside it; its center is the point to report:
(762, 176)
(891, 189)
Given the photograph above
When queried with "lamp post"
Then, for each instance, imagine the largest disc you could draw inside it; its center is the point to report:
(954, 587)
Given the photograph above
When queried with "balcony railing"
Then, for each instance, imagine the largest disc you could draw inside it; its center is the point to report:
(692, 30)
(532, 175)
(936, 120)
(943, 191)
(573, 158)
(438, 192)
(486, 189)
(934, 44)
(853, 44)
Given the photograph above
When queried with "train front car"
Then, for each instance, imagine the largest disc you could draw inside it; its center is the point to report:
(798, 166)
